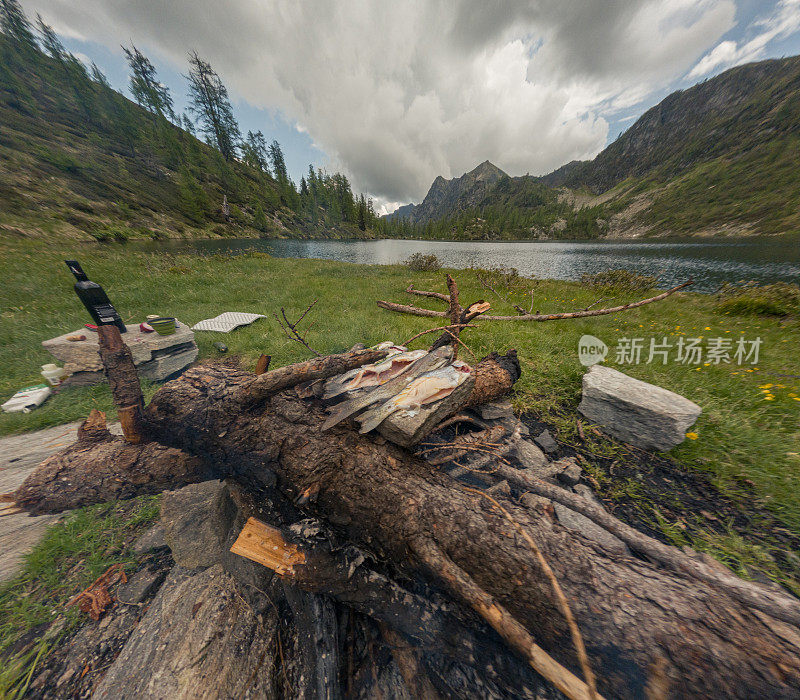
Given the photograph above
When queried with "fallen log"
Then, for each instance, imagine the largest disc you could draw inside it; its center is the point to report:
(635, 616)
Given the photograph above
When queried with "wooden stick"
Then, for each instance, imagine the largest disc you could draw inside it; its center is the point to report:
(427, 313)
(781, 607)
(263, 363)
(434, 295)
(515, 635)
(575, 633)
(124, 381)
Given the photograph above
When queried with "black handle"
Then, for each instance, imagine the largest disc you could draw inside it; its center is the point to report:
(76, 269)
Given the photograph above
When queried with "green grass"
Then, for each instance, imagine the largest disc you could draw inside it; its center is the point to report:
(70, 556)
(746, 433)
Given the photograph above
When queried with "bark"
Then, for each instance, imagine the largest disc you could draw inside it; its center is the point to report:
(634, 616)
(269, 383)
(100, 467)
(124, 380)
(495, 376)
(436, 627)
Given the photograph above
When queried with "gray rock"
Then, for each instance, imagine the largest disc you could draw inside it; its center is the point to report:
(636, 412)
(546, 442)
(529, 456)
(140, 585)
(586, 492)
(197, 520)
(200, 638)
(495, 410)
(571, 472)
(154, 538)
(156, 356)
(576, 521)
(201, 523)
(514, 426)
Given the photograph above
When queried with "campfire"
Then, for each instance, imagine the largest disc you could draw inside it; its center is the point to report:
(377, 480)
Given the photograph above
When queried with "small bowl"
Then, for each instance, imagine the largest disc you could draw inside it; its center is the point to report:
(163, 325)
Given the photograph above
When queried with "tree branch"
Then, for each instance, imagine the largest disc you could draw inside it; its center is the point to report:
(427, 313)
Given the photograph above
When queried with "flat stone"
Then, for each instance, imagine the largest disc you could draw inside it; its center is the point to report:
(546, 442)
(163, 366)
(154, 538)
(140, 585)
(495, 410)
(590, 530)
(84, 355)
(529, 456)
(634, 411)
(200, 638)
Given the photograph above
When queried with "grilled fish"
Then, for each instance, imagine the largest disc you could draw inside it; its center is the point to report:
(425, 389)
(431, 361)
(374, 374)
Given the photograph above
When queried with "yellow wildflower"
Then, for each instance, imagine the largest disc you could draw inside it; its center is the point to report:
(692, 436)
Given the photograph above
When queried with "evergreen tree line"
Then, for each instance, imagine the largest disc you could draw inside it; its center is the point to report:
(250, 171)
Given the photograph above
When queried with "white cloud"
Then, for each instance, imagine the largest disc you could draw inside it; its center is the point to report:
(398, 93)
(785, 20)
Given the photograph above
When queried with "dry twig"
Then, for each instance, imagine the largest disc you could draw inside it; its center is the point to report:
(290, 329)
(575, 633)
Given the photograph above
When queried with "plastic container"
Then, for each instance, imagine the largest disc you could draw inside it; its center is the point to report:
(53, 374)
(163, 325)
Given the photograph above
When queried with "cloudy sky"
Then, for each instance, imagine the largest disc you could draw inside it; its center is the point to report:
(396, 93)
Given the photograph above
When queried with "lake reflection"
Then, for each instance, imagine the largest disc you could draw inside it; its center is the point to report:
(708, 263)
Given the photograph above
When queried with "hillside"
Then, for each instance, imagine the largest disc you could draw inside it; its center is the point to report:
(80, 160)
(719, 158)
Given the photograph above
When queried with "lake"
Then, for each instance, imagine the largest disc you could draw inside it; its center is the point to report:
(709, 263)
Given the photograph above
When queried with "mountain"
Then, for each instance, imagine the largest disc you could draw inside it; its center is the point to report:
(728, 116)
(402, 212)
(719, 158)
(80, 160)
(446, 196)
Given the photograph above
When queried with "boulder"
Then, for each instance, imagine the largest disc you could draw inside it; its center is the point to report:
(197, 520)
(634, 411)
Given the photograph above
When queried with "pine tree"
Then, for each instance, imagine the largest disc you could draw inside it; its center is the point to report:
(303, 187)
(254, 151)
(208, 100)
(188, 124)
(278, 162)
(50, 41)
(362, 213)
(99, 77)
(145, 86)
(15, 24)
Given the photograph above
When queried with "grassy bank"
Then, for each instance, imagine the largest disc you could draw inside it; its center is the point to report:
(747, 437)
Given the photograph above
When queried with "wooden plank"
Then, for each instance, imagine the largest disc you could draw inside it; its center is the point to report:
(265, 545)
